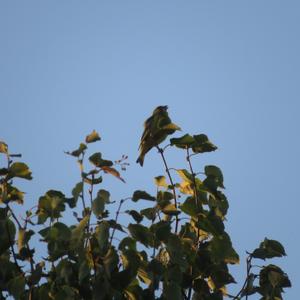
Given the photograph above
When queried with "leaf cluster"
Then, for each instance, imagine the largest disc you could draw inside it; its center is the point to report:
(174, 247)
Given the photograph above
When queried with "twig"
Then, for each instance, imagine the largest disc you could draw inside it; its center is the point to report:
(161, 151)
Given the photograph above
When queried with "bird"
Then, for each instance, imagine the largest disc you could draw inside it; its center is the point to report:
(156, 129)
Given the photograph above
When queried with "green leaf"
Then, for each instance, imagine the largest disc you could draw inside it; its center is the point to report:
(76, 193)
(50, 206)
(149, 213)
(189, 207)
(102, 236)
(216, 174)
(97, 161)
(127, 243)
(172, 291)
(202, 144)
(16, 286)
(7, 236)
(138, 195)
(161, 230)
(269, 249)
(77, 233)
(222, 250)
(186, 141)
(19, 169)
(141, 234)
(81, 149)
(92, 137)
(135, 215)
(84, 271)
(99, 202)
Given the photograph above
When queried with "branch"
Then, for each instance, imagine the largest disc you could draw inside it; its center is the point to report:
(161, 151)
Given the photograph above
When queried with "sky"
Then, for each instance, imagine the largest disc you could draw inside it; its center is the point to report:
(229, 69)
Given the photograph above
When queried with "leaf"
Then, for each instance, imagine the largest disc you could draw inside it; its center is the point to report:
(50, 206)
(269, 249)
(16, 286)
(202, 144)
(149, 213)
(171, 210)
(99, 202)
(172, 291)
(7, 236)
(82, 147)
(186, 141)
(135, 215)
(19, 169)
(160, 181)
(185, 175)
(161, 230)
(114, 225)
(97, 161)
(141, 234)
(102, 236)
(10, 193)
(77, 233)
(190, 207)
(113, 172)
(3, 148)
(76, 193)
(222, 250)
(92, 137)
(24, 237)
(216, 173)
(138, 195)
(127, 243)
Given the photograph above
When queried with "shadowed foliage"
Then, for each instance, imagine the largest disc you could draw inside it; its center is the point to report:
(174, 247)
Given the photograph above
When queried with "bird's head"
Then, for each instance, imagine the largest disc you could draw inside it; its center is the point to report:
(160, 109)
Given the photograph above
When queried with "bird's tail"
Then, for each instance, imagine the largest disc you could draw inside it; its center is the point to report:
(140, 160)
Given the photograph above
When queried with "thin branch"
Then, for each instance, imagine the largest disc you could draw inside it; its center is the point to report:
(249, 266)
(161, 151)
(116, 218)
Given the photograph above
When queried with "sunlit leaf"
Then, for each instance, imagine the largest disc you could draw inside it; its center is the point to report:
(3, 147)
(161, 181)
(19, 169)
(113, 172)
(92, 137)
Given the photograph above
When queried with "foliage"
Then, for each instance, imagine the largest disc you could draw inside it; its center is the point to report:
(175, 247)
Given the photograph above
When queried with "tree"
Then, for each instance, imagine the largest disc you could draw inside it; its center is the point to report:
(176, 247)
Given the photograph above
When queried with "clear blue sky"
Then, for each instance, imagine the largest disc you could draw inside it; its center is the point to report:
(229, 69)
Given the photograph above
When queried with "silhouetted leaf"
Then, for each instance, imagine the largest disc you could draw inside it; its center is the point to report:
(186, 141)
(97, 161)
(269, 249)
(82, 147)
(99, 202)
(138, 195)
(16, 286)
(202, 144)
(136, 216)
(215, 174)
(140, 233)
